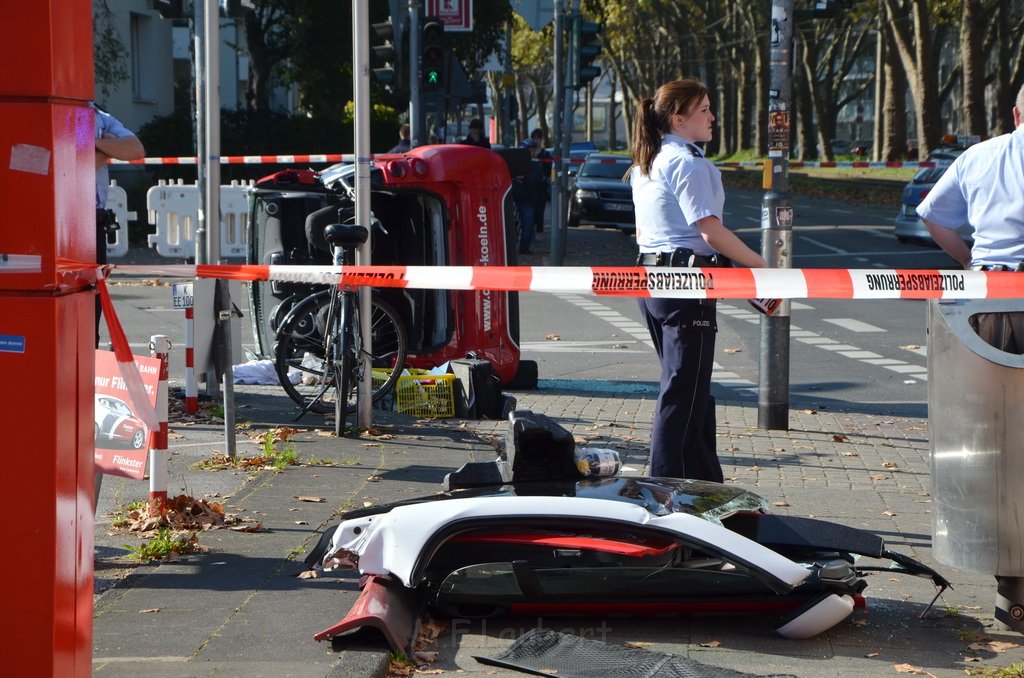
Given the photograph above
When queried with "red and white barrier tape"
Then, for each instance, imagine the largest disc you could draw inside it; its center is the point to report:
(311, 158)
(245, 159)
(680, 283)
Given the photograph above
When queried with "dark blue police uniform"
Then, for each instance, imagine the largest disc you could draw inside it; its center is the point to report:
(682, 188)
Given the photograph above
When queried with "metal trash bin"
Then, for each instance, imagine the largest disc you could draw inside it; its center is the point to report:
(975, 415)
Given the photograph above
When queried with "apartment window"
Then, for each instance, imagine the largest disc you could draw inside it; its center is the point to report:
(143, 58)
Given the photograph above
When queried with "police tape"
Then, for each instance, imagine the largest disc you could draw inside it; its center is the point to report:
(678, 283)
(244, 159)
(575, 160)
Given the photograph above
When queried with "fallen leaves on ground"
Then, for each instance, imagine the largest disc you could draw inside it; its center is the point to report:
(552, 337)
(308, 574)
(180, 513)
(839, 438)
(986, 645)
(710, 643)
(313, 500)
(910, 668)
(636, 644)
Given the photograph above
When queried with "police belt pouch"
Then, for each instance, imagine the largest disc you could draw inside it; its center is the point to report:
(681, 258)
(106, 220)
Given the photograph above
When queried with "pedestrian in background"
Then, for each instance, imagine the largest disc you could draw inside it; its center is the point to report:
(113, 140)
(476, 134)
(524, 192)
(985, 187)
(679, 199)
(544, 194)
(404, 144)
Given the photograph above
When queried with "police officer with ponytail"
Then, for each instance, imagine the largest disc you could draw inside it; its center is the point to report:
(679, 200)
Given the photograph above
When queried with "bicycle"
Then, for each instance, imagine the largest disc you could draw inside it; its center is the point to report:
(319, 349)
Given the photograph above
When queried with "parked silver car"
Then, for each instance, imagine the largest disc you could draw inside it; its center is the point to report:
(908, 226)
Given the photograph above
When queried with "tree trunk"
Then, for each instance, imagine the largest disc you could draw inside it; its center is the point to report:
(972, 68)
(915, 49)
(805, 129)
(894, 113)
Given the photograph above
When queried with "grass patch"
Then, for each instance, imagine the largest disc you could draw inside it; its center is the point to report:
(1015, 670)
(164, 545)
(278, 454)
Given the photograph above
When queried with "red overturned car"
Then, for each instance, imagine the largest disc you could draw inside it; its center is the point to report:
(447, 205)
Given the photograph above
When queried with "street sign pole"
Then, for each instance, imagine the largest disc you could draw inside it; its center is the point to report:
(777, 222)
(558, 205)
(361, 91)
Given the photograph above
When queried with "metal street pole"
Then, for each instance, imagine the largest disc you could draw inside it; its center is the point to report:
(559, 166)
(361, 90)
(199, 69)
(559, 229)
(777, 222)
(417, 135)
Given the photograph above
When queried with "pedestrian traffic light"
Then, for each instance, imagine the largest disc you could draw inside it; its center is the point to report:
(584, 48)
(432, 55)
(386, 56)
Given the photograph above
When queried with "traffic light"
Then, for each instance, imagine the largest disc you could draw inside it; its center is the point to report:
(432, 75)
(236, 9)
(584, 48)
(386, 55)
(170, 9)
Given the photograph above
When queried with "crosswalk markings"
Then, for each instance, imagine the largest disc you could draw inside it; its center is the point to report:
(720, 376)
(852, 325)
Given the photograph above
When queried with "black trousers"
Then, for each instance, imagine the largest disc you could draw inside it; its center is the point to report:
(683, 443)
(101, 259)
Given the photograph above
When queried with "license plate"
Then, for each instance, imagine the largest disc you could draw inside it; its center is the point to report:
(909, 211)
(181, 293)
(618, 207)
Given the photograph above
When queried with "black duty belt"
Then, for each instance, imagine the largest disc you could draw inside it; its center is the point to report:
(680, 258)
(999, 267)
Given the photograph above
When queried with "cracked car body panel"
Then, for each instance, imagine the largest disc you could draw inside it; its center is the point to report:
(400, 541)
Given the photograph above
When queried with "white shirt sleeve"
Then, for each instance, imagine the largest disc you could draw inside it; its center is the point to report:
(691, 185)
(945, 205)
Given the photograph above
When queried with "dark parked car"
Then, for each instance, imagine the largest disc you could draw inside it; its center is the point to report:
(908, 225)
(600, 196)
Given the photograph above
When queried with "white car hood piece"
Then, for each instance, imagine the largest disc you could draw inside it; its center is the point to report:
(391, 543)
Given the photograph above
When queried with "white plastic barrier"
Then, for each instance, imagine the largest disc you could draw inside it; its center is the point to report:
(174, 211)
(117, 200)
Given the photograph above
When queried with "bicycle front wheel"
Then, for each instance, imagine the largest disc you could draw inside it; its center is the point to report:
(312, 379)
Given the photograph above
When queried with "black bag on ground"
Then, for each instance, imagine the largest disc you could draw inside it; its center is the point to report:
(478, 389)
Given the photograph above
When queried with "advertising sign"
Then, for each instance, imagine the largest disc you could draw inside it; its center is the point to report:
(122, 440)
(456, 15)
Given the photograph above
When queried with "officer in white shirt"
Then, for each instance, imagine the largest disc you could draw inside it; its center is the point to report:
(113, 140)
(985, 187)
(678, 199)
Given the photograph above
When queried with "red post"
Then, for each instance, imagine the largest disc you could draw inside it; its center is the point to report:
(191, 387)
(47, 168)
(159, 347)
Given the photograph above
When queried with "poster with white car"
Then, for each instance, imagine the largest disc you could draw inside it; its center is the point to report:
(121, 439)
